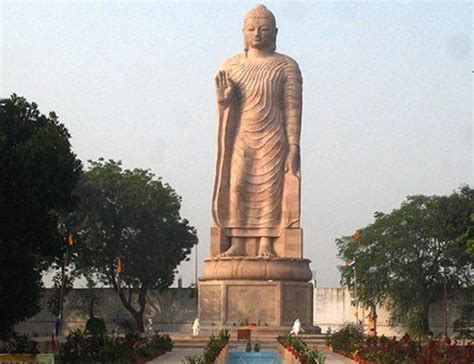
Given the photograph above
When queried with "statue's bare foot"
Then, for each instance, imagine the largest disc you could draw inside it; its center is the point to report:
(265, 254)
(265, 249)
(233, 251)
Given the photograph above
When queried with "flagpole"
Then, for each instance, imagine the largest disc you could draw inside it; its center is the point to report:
(196, 279)
(69, 243)
(61, 296)
(196, 265)
(356, 236)
(63, 279)
(356, 296)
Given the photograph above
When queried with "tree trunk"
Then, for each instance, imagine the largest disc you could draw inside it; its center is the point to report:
(136, 313)
(425, 321)
(138, 316)
(420, 324)
(127, 301)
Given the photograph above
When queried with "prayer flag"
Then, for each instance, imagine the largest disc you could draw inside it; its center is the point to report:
(70, 240)
(118, 267)
(356, 235)
(55, 334)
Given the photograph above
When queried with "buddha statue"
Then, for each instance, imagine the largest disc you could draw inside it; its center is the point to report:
(257, 183)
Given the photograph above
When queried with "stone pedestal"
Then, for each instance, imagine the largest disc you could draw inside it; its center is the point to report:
(255, 302)
(255, 291)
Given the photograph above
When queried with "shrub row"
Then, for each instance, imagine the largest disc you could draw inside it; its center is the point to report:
(300, 350)
(351, 342)
(19, 344)
(81, 348)
(212, 349)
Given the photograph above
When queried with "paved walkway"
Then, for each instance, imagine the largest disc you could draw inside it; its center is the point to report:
(178, 354)
(332, 358)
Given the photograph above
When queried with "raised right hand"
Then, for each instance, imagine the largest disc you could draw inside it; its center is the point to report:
(224, 88)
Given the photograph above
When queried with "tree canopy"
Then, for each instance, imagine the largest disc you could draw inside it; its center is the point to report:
(38, 172)
(132, 216)
(405, 257)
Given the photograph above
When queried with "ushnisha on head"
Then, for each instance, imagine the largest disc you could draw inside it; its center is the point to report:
(260, 29)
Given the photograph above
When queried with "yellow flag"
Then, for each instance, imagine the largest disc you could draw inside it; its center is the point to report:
(118, 267)
(70, 240)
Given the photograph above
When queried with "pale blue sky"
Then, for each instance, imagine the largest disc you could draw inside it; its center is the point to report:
(387, 97)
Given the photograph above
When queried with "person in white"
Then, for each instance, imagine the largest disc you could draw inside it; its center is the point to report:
(196, 327)
(296, 327)
(149, 329)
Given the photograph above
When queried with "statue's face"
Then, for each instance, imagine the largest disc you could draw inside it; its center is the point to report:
(259, 33)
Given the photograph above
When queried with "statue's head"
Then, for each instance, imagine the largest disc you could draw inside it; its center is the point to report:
(260, 29)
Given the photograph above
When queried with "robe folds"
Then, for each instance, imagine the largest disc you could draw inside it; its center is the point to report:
(255, 129)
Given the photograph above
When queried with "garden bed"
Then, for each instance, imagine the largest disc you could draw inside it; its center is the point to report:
(351, 343)
(215, 350)
(80, 348)
(294, 350)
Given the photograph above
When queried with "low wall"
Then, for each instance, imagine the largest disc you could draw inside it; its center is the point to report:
(173, 310)
(333, 308)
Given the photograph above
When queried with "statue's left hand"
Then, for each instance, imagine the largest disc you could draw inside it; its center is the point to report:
(293, 160)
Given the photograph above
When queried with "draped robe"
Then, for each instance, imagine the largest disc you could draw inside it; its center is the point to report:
(255, 130)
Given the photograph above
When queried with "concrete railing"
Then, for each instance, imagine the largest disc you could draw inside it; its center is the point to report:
(222, 357)
(287, 356)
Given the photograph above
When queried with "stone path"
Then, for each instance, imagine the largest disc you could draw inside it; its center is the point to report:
(332, 358)
(178, 354)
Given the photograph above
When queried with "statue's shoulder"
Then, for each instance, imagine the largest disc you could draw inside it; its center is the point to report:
(232, 62)
(289, 61)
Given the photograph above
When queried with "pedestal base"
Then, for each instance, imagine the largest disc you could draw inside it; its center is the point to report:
(257, 268)
(255, 302)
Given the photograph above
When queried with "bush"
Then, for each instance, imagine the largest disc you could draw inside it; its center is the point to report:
(150, 347)
(80, 348)
(212, 349)
(464, 325)
(19, 344)
(299, 347)
(95, 326)
(117, 350)
(215, 345)
(347, 339)
(384, 350)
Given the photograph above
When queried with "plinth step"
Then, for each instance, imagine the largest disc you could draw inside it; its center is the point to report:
(264, 339)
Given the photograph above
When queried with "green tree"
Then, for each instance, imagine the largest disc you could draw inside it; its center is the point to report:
(404, 258)
(468, 237)
(38, 172)
(128, 214)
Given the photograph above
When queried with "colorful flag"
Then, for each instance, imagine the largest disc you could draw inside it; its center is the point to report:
(356, 235)
(53, 342)
(118, 266)
(351, 264)
(70, 240)
(55, 334)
